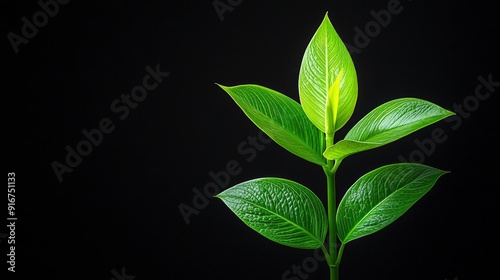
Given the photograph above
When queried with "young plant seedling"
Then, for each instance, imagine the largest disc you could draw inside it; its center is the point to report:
(289, 213)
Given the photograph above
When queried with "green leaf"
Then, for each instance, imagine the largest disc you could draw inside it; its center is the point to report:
(279, 209)
(381, 196)
(387, 123)
(281, 118)
(324, 58)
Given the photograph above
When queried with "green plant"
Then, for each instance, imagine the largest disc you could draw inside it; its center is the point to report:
(289, 213)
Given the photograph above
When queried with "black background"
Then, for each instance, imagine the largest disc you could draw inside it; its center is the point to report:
(117, 212)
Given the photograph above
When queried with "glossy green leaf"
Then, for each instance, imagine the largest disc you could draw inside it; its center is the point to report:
(381, 196)
(279, 209)
(324, 58)
(387, 123)
(281, 118)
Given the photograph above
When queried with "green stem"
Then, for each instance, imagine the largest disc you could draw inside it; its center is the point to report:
(334, 272)
(334, 268)
(332, 223)
(330, 171)
(332, 209)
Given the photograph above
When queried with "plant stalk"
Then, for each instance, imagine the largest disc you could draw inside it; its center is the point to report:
(332, 223)
(330, 171)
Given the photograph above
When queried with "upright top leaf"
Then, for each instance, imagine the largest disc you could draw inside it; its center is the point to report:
(324, 58)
